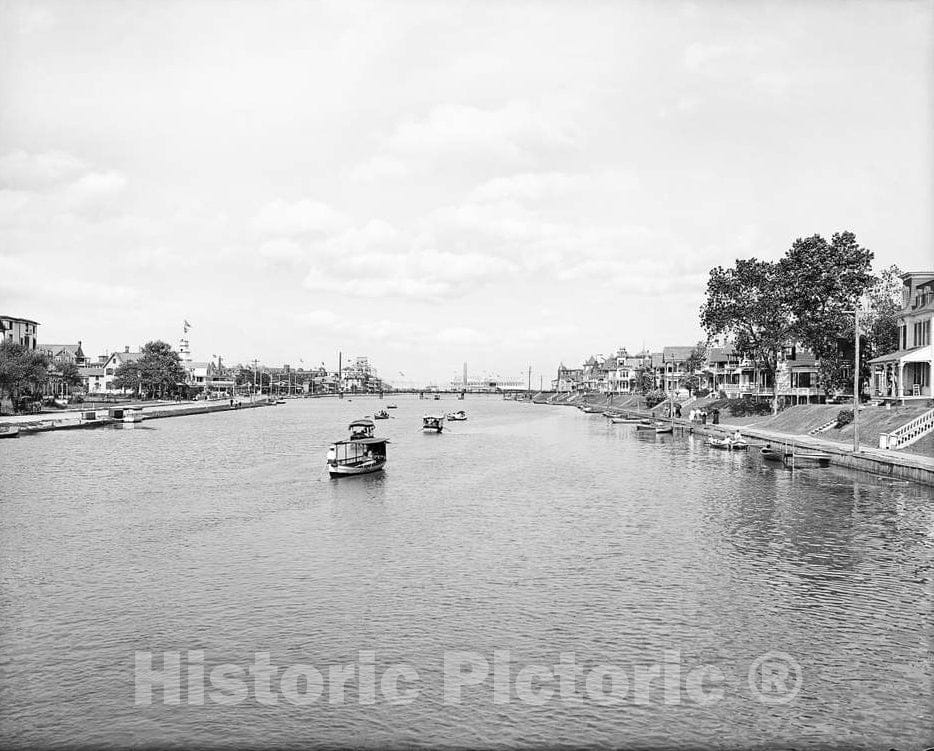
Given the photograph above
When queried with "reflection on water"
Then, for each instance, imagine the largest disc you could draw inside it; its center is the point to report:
(531, 529)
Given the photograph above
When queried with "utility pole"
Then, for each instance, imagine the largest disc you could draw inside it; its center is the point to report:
(530, 382)
(856, 385)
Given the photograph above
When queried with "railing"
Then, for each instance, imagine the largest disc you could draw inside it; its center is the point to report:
(909, 432)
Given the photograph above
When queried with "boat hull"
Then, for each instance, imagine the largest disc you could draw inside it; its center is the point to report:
(432, 430)
(803, 461)
(771, 456)
(344, 470)
(10, 433)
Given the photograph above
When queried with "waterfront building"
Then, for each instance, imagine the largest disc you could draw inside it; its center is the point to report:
(110, 366)
(569, 379)
(673, 367)
(905, 374)
(19, 331)
(59, 354)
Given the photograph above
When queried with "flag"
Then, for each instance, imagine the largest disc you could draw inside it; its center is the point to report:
(186, 325)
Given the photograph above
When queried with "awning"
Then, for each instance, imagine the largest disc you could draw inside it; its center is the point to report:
(916, 354)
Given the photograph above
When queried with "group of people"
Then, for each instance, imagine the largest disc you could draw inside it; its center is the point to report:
(700, 416)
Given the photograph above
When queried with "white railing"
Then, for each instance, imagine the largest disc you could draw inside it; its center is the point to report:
(822, 428)
(909, 432)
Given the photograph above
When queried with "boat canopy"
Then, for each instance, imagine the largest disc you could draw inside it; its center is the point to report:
(372, 441)
(362, 424)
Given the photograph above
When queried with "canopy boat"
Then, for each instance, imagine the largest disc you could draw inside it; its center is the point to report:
(381, 415)
(9, 431)
(432, 423)
(455, 416)
(796, 459)
(390, 406)
(360, 454)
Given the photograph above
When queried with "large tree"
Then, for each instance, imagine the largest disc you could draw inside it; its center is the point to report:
(751, 302)
(827, 282)
(21, 370)
(157, 372)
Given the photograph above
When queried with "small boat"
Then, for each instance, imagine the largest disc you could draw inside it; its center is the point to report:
(591, 410)
(800, 460)
(280, 401)
(432, 423)
(361, 454)
(391, 406)
(455, 416)
(437, 397)
(9, 431)
(727, 444)
(645, 426)
(381, 415)
(771, 455)
(664, 429)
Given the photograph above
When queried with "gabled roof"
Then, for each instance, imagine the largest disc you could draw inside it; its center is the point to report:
(676, 354)
(73, 348)
(721, 354)
(126, 356)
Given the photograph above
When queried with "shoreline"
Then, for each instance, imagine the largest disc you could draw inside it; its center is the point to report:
(880, 462)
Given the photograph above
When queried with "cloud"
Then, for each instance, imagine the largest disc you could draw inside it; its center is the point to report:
(23, 170)
(301, 217)
(377, 168)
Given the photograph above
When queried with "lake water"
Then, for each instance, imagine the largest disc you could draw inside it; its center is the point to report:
(692, 597)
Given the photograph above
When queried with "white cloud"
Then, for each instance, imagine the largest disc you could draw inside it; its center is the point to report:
(301, 217)
(21, 169)
(376, 168)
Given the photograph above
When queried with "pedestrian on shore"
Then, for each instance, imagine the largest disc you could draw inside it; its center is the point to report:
(678, 410)
(716, 416)
(692, 415)
(703, 415)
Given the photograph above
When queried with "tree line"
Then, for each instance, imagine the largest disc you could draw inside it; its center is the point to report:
(807, 298)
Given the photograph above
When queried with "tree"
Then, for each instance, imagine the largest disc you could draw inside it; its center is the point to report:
(21, 370)
(828, 280)
(157, 372)
(644, 381)
(70, 374)
(695, 361)
(751, 302)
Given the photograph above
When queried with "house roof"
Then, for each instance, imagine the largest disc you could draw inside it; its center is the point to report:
(73, 348)
(21, 320)
(915, 354)
(721, 354)
(127, 356)
(676, 353)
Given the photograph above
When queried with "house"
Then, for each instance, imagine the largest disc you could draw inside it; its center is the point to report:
(19, 331)
(905, 374)
(93, 377)
(62, 353)
(569, 379)
(674, 367)
(110, 365)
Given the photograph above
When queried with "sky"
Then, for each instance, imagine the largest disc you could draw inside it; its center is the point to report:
(506, 184)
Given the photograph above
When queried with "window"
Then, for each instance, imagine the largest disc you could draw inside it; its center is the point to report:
(109, 371)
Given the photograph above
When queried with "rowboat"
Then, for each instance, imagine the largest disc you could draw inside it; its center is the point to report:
(381, 415)
(10, 431)
(728, 444)
(645, 426)
(432, 423)
(664, 429)
(361, 454)
(797, 460)
(771, 455)
(391, 406)
(456, 416)
(586, 408)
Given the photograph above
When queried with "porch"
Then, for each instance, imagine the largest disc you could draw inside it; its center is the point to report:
(904, 375)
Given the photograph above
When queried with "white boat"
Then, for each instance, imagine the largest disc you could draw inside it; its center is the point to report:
(9, 431)
(360, 454)
(455, 416)
(432, 423)
(381, 414)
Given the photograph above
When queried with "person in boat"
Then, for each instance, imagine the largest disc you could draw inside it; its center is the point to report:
(737, 436)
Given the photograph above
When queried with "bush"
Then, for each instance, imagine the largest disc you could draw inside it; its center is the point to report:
(653, 398)
(844, 417)
(747, 407)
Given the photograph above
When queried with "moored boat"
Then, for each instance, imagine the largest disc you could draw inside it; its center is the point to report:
(770, 455)
(360, 454)
(432, 423)
(9, 431)
(455, 416)
(381, 415)
(664, 429)
(802, 459)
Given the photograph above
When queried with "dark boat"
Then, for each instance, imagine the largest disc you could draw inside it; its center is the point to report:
(800, 460)
(771, 455)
